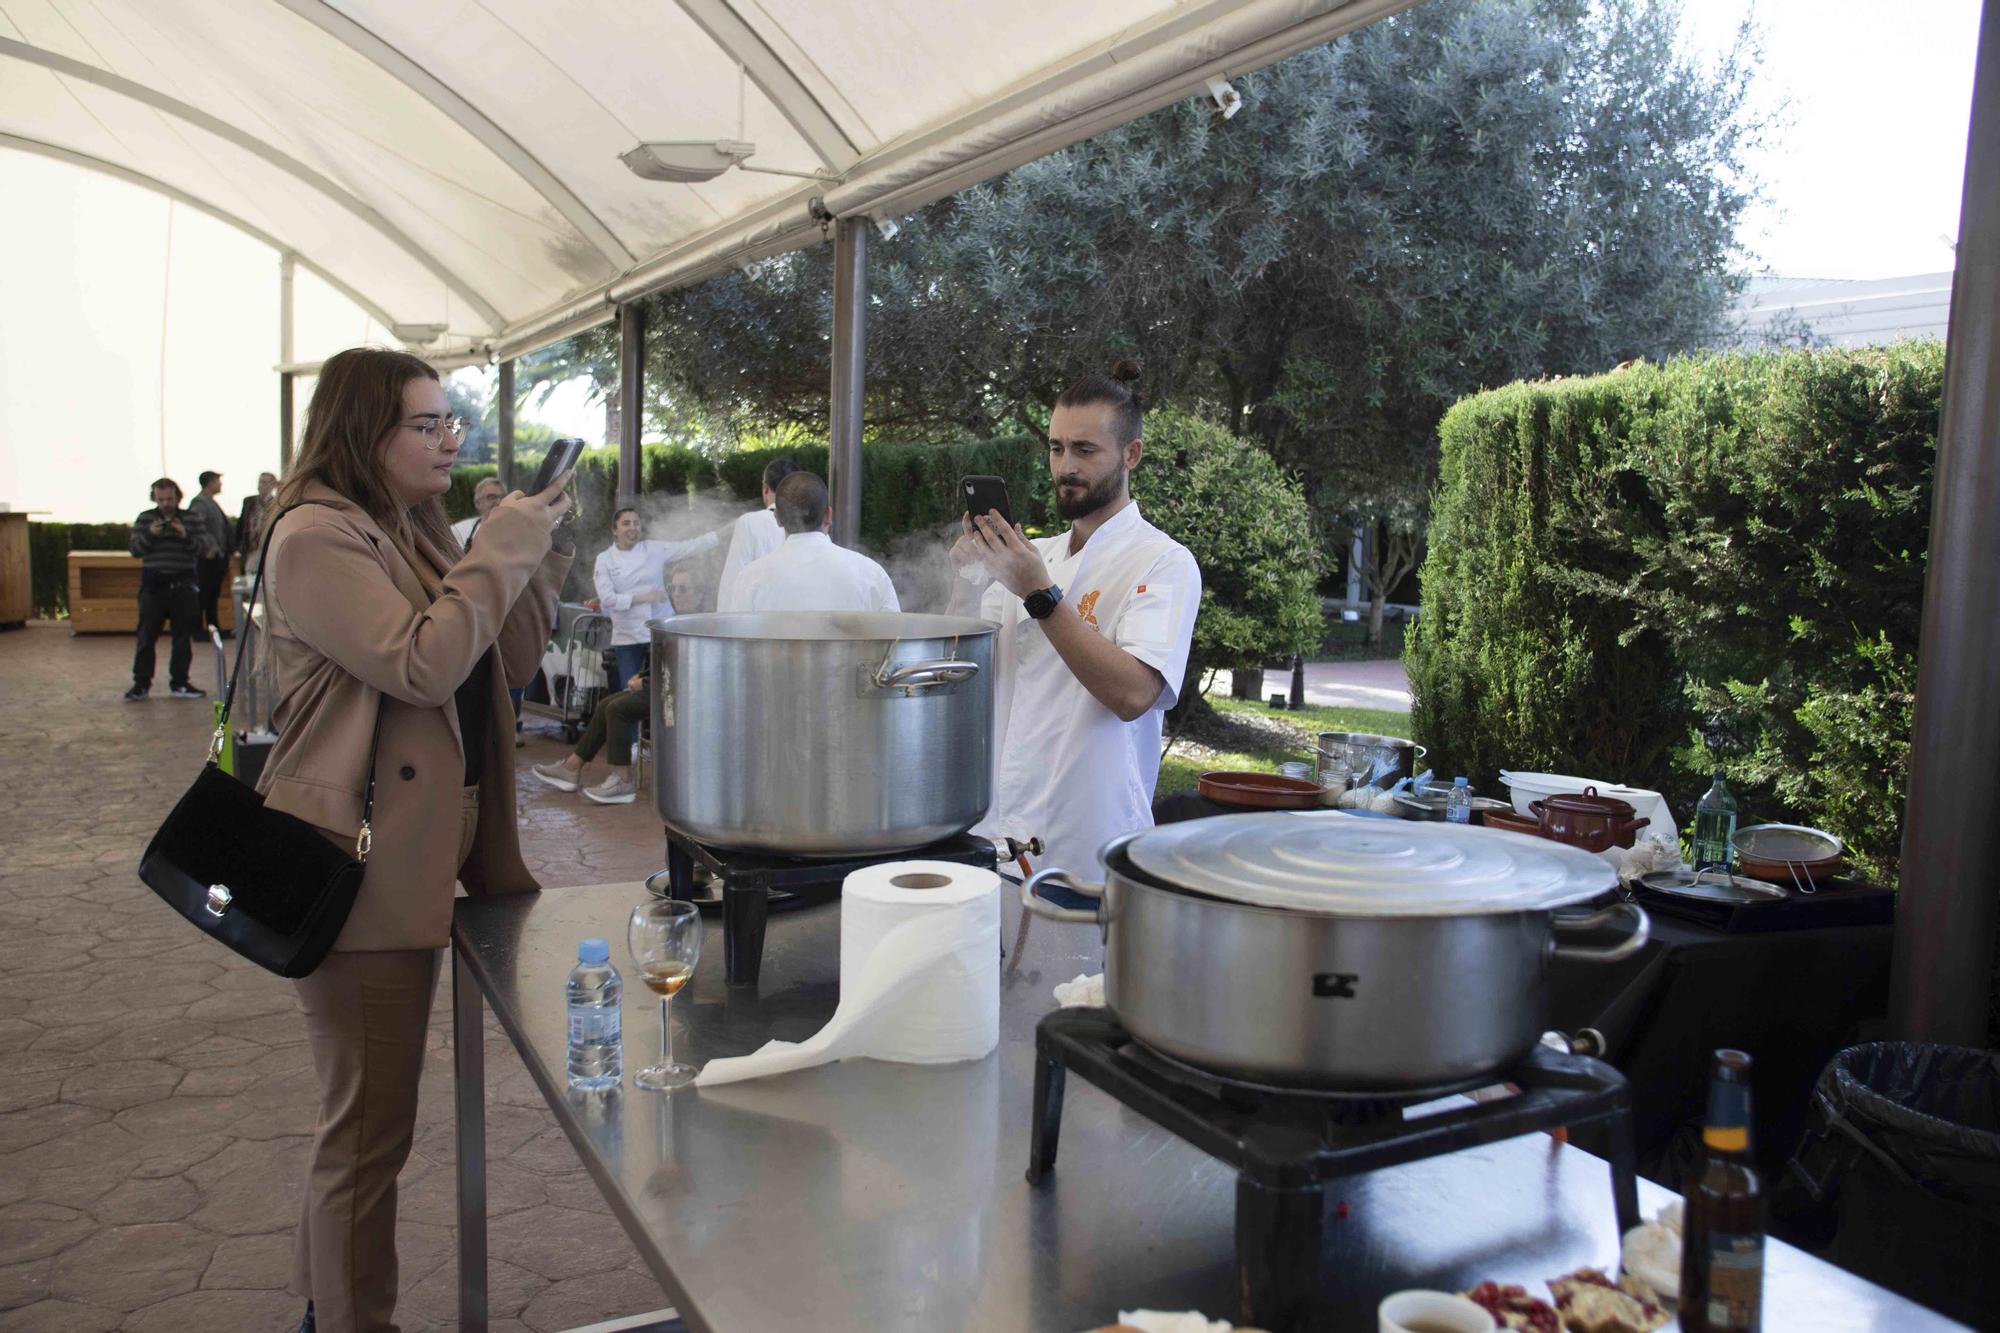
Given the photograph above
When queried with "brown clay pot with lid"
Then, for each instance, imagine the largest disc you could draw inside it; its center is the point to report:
(1585, 819)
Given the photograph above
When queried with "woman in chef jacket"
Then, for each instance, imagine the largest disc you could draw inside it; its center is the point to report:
(631, 579)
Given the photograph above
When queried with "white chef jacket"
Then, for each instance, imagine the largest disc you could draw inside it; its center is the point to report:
(618, 574)
(1066, 769)
(752, 537)
(810, 573)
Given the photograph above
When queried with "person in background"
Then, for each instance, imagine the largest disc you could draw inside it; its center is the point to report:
(488, 493)
(213, 544)
(372, 606)
(249, 527)
(165, 540)
(616, 720)
(631, 579)
(684, 593)
(756, 534)
(808, 572)
(1095, 624)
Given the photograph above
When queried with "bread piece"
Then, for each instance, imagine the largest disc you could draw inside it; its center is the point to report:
(1590, 1302)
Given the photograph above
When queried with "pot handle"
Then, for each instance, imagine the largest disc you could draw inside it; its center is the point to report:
(1625, 948)
(909, 677)
(1062, 879)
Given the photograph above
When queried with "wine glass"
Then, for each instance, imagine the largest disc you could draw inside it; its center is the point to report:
(664, 936)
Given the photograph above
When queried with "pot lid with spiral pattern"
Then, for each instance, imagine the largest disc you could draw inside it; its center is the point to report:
(1330, 863)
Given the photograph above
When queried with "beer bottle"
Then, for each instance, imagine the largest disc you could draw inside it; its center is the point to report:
(1722, 1254)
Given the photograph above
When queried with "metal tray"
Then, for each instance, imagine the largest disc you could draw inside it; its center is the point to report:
(1711, 886)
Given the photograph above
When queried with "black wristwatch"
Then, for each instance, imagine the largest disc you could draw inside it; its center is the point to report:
(1042, 603)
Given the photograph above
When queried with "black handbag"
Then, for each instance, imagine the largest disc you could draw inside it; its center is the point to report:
(267, 884)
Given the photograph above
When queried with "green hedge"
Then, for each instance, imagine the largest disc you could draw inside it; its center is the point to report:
(1715, 562)
(49, 545)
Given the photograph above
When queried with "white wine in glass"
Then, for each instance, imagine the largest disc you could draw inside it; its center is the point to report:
(664, 936)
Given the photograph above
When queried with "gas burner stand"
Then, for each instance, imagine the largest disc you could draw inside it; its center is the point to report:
(753, 884)
(1287, 1146)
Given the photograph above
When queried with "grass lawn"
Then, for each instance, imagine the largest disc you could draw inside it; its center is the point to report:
(1256, 737)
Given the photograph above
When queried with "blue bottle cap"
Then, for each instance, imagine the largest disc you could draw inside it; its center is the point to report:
(593, 951)
(1461, 782)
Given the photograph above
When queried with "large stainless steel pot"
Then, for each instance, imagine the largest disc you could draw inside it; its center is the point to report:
(822, 734)
(1391, 1002)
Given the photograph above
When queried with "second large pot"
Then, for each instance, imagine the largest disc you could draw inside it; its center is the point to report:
(822, 734)
(1338, 997)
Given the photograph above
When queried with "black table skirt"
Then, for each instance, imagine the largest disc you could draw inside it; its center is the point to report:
(1791, 998)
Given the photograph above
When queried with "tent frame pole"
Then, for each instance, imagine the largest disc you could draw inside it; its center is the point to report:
(503, 454)
(1942, 970)
(850, 358)
(631, 395)
(287, 265)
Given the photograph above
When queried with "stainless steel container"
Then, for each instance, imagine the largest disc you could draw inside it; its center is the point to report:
(1437, 990)
(822, 734)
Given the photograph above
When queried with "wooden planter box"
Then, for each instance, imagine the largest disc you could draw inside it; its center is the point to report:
(104, 593)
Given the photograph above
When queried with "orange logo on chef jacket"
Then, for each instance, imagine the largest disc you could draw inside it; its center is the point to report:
(1086, 605)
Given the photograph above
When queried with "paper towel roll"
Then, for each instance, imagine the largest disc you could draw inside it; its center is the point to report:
(919, 973)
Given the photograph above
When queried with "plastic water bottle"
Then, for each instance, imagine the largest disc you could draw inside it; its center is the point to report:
(1458, 803)
(1715, 827)
(596, 1051)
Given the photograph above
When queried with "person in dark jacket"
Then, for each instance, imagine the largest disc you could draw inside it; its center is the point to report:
(250, 522)
(213, 541)
(168, 542)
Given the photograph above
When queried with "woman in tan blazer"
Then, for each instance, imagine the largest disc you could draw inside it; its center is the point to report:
(373, 604)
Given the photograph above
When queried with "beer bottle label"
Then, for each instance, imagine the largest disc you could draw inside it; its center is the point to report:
(1735, 1281)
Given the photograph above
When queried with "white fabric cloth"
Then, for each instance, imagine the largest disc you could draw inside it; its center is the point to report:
(1066, 769)
(809, 573)
(619, 575)
(751, 538)
(463, 529)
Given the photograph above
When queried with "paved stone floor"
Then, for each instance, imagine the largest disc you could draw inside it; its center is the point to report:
(156, 1093)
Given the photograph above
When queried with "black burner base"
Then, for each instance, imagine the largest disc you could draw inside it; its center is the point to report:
(1287, 1147)
(751, 885)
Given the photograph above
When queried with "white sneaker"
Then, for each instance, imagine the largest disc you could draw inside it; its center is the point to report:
(613, 790)
(562, 779)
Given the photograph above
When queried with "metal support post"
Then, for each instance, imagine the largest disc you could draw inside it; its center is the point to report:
(285, 326)
(850, 356)
(1943, 962)
(631, 389)
(468, 1047)
(503, 454)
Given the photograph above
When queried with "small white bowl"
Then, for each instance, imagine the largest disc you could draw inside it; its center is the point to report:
(1409, 1311)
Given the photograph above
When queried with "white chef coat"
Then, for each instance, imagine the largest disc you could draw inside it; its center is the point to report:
(618, 574)
(809, 573)
(1066, 768)
(752, 537)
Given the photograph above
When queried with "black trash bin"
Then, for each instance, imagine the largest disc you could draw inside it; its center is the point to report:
(1902, 1147)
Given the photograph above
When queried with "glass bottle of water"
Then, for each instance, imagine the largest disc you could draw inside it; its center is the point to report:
(1715, 827)
(1458, 802)
(596, 1050)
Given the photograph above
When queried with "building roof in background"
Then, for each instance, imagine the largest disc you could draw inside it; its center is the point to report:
(1845, 313)
(459, 165)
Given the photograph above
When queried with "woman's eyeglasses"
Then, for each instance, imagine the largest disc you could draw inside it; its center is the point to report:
(433, 429)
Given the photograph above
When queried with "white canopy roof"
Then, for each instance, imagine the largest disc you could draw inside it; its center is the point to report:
(456, 162)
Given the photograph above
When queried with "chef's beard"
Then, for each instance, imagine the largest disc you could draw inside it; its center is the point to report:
(1094, 498)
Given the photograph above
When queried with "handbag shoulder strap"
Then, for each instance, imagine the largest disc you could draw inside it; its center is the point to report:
(366, 837)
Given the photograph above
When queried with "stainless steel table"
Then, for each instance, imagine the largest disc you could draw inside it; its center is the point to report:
(882, 1197)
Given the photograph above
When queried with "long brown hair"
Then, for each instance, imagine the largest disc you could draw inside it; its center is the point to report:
(357, 402)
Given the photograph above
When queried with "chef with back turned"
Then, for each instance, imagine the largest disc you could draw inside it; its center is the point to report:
(1094, 630)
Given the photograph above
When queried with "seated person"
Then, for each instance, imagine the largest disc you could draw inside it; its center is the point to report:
(808, 572)
(616, 720)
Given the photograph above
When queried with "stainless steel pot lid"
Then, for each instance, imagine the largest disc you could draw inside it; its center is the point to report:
(1333, 864)
(1712, 886)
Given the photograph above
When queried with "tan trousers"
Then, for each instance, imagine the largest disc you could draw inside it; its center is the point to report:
(366, 1016)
